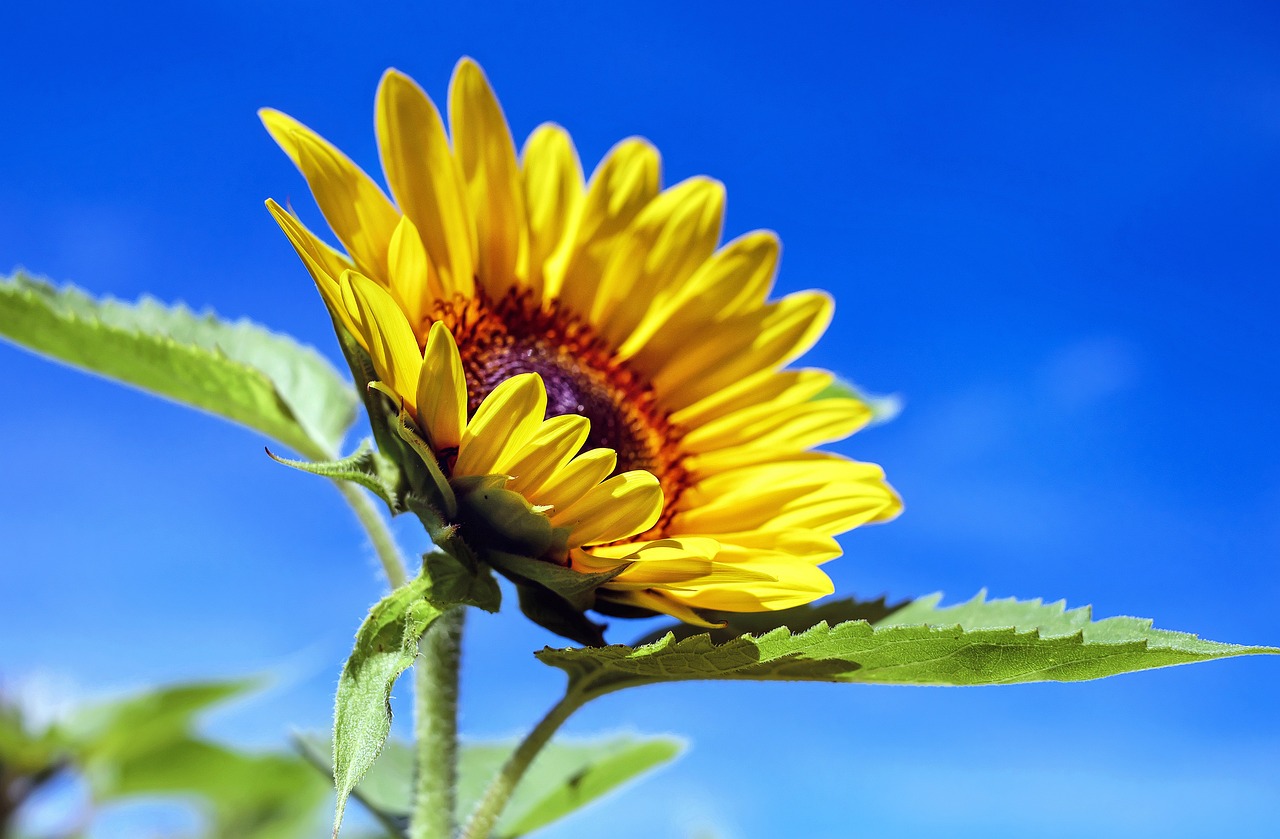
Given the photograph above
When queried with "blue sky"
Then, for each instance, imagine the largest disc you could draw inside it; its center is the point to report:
(1053, 231)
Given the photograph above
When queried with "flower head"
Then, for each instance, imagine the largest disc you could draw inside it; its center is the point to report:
(588, 346)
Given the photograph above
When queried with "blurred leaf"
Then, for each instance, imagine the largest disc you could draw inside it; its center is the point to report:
(236, 370)
(883, 408)
(565, 777)
(981, 642)
(110, 733)
(25, 750)
(268, 796)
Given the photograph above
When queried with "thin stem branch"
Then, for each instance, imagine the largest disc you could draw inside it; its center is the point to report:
(436, 727)
(379, 534)
(486, 813)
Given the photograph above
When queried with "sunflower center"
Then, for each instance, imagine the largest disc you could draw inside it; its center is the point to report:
(498, 340)
(571, 389)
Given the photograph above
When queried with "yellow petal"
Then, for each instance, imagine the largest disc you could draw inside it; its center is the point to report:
(789, 428)
(622, 506)
(553, 192)
(414, 283)
(576, 479)
(669, 240)
(793, 473)
(736, 279)
(324, 266)
(502, 424)
(793, 583)
(658, 602)
(390, 341)
(425, 179)
(351, 202)
(442, 390)
(742, 345)
(624, 182)
(783, 389)
(484, 149)
(804, 544)
(689, 547)
(823, 493)
(555, 442)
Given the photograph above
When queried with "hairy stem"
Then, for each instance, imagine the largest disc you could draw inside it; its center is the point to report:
(436, 727)
(379, 534)
(486, 813)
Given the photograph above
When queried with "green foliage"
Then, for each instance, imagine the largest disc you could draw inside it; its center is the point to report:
(387, 645)
(565, 777)
(269, 796)
(982, 642)
(239, 371)
(144, 745)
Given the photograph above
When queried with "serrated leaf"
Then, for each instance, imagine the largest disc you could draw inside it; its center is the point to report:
(364, 466)
(883, 407)
(982, 642)
(236, 370)
(566, 776)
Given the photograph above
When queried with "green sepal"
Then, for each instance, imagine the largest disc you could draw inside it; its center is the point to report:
(503, 520)
(555, 614)
(439, 486)
(797, 619)
(456, 567)
(383, 415)
(365, 466)
(883, 407)
(458, 577)
(574, 587)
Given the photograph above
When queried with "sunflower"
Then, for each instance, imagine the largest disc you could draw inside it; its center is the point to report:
(588, 346)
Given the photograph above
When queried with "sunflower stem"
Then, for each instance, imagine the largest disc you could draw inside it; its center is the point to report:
(384, 544)
(436, 727)
(485, 816)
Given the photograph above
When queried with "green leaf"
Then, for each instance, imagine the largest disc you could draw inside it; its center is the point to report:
(386, 646)
(248, 796)
(239, 371)
(566, 776)
(25, 749)
(982, 642)
(883, 408)
(364, 466)
(110, 733)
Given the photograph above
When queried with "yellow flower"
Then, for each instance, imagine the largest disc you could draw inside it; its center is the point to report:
(589, 341)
